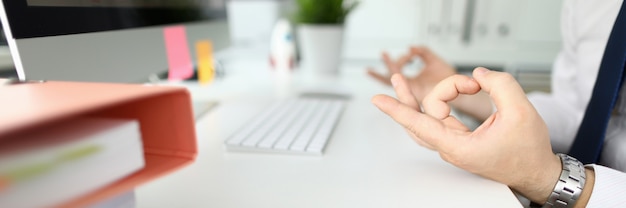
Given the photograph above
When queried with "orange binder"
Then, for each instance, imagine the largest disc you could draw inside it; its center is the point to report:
(164, 114)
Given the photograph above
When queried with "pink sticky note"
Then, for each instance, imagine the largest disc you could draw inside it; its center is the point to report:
(178, 58)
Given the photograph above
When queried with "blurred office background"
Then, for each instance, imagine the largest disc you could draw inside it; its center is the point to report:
(521, 37)
(6, 64)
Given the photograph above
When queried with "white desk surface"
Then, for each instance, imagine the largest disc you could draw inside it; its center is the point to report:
(369, 162)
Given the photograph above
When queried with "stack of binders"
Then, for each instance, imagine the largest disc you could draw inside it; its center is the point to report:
(67, 144)
(71, 158)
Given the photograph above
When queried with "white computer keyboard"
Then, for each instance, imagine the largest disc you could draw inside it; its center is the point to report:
(300, 125)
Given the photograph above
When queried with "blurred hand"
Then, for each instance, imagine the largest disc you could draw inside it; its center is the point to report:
(512, 146)
(435, 69)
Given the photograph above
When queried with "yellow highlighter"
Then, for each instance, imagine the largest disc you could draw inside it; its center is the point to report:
(206, 69)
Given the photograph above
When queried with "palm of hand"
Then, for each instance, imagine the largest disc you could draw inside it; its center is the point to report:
(511, 146)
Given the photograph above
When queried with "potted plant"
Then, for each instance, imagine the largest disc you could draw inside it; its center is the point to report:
(320, 28)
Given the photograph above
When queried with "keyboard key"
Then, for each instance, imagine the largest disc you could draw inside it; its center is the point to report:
(247, 130)
(256, 136)
(303, 125)
(286, 140)
(307, 134)
(282, 127)
(323, 133)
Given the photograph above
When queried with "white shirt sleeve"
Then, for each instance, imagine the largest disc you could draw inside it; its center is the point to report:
(585, 29)
(561, 118)
(609, 188)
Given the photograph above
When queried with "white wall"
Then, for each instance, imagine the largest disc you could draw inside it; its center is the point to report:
(504, 32)
(381, 25)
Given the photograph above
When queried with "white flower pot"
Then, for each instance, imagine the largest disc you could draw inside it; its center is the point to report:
(320, 48)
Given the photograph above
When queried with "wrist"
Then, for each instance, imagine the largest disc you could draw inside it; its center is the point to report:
(569, 188)
(539, 184)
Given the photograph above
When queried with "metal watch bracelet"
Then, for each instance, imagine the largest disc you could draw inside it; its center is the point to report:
(570, 185)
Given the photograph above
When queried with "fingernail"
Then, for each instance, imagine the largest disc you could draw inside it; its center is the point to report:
(394, 80)
(481, 70)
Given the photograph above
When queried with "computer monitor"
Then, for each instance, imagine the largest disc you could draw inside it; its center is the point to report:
(103, 40)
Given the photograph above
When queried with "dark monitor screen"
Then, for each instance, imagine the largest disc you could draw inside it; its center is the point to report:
(39, 18)
(104, 40)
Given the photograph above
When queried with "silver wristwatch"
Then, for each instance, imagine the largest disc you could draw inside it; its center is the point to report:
(570, 185)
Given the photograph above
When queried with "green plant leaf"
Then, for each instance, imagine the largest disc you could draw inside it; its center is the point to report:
(323, 11)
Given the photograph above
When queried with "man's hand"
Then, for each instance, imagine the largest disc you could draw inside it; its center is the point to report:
(435, 69)
(512, 145)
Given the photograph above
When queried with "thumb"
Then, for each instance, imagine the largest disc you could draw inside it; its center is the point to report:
(502, 88)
